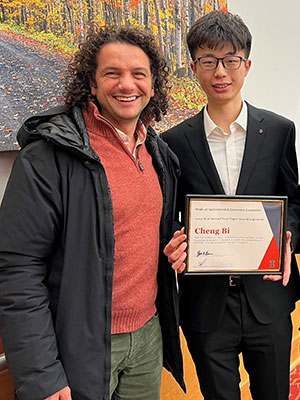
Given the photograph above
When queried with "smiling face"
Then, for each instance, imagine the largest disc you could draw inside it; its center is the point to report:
(222, 86)
(123, 84)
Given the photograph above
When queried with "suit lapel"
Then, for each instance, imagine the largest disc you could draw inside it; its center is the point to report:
(256, 132)
(197, 140)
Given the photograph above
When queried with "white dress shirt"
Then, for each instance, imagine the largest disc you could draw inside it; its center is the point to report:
(227, 149)
(140, 135)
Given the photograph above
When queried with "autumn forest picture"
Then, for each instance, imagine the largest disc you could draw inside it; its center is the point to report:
(37, 39)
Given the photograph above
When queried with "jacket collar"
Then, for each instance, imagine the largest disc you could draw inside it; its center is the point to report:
(256, 132)
(68, 130)
(64, 129)
(196, 138)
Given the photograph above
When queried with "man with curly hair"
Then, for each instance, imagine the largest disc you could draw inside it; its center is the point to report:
(88, 303)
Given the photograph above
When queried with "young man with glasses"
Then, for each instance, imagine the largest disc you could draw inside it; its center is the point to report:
(233, 148)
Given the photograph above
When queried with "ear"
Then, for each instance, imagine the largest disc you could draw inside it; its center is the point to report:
(93, 88)
(247, 67)
(193, 66)
(152, 93)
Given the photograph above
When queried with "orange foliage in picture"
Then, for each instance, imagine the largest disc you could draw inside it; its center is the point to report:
(37, 38)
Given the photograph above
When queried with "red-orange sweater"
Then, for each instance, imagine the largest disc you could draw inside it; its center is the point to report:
(137, 205)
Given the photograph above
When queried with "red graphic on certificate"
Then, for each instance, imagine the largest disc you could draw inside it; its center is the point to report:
(271, 258)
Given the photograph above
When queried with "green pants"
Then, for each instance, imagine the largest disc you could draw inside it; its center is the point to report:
(136, 363)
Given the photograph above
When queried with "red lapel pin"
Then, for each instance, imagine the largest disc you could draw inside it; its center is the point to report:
(260, 131)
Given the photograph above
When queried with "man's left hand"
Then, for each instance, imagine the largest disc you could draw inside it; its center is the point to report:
(287, 264)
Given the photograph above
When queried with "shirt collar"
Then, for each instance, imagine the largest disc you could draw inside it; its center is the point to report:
(140, 133)
(242, 119)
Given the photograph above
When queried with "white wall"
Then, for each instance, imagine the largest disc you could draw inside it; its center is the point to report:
(6, 160)
(274, 78)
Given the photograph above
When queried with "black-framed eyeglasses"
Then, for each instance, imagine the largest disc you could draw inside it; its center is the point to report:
(209, 63)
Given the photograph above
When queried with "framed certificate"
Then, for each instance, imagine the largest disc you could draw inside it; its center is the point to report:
(235, 235)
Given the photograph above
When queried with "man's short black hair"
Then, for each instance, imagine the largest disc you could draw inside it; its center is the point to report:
(216, 29)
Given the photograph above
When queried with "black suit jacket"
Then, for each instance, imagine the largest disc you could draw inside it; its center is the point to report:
(269, 167)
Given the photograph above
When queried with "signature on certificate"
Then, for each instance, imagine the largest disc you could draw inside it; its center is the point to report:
(204, 253)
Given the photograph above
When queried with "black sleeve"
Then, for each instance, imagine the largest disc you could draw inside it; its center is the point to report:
(178, 223)
(288, 184)
(29, 224)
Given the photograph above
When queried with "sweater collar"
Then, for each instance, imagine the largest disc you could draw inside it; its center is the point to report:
(94, 120)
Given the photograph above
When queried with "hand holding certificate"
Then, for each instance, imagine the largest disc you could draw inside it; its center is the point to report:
(175, 251)
(235, 235)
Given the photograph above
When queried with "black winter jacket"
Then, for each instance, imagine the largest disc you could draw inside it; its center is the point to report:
(56, 261)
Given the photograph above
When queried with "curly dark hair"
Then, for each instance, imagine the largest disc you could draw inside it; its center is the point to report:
(82, 68)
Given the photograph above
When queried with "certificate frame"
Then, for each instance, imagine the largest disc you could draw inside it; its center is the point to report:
(235, 235)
